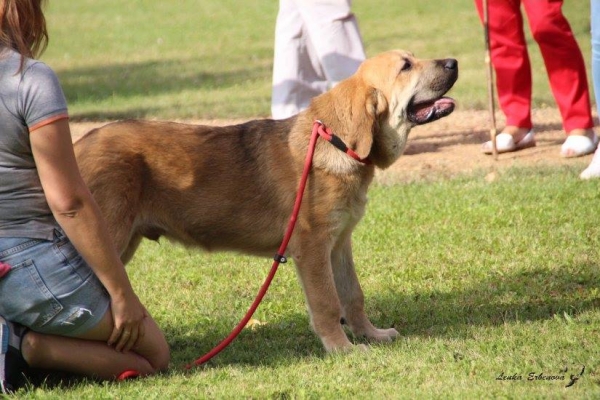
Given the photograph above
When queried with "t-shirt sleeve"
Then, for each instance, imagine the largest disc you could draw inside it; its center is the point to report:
(41, 99)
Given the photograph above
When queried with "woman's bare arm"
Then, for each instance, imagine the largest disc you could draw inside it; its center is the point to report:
(78, 214)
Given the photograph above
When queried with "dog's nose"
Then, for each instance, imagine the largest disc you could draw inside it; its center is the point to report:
(450, 63)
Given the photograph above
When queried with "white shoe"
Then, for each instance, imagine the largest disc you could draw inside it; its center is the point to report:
(505, 143)
(593, 170)
(577, 146)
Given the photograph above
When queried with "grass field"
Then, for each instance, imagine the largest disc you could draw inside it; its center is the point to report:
(213, 59)
(482, 280)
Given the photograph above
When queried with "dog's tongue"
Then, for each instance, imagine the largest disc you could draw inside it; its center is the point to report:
(431, 111)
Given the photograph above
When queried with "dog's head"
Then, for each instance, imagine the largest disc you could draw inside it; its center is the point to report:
(374, 110)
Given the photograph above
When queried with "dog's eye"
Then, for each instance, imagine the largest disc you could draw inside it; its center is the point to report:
(407, 65)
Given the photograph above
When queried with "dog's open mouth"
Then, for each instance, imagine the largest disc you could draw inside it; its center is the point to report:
(425, 112)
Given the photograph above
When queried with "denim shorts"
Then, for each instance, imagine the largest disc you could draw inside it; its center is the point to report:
(49, 287)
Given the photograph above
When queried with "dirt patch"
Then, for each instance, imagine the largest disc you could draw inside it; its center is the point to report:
(450, 147)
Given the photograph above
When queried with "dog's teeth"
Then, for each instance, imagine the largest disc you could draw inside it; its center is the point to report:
(431, 113)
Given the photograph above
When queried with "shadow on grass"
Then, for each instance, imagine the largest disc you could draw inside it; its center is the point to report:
(102, 116)
(151, 78)
(536, 295)
(523, 297)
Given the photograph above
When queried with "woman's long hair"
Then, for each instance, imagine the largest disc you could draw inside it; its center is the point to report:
(23, 27)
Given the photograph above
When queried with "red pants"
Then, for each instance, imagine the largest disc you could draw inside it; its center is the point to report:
(561, 53)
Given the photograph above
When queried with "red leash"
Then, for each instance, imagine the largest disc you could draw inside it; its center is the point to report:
(319, 129)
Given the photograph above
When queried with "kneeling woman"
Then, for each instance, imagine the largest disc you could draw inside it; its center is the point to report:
(66, 302)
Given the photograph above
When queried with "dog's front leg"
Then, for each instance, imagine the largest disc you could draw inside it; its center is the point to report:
(351, 294)
(313, 263)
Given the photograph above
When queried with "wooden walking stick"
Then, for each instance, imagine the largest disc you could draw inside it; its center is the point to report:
(490, 78)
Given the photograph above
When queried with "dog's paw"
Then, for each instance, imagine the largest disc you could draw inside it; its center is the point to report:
(340, 344)
(349, 349)
(361, 347)
(382, 335)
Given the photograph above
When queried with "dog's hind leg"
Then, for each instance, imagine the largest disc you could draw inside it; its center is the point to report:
(119, 210)
(351, 295)
(119, 205)
(114, 174)
(134, 242)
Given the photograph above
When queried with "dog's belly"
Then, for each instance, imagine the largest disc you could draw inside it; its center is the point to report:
(219, 235)
(254, 244)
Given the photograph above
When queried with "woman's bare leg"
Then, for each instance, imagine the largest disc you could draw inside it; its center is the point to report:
(90, 355)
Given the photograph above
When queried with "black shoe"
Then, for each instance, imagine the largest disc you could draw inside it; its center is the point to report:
(13, 367)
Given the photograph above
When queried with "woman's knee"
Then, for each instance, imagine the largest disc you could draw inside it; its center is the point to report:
(160, 361)
(32, 348)
(158, 353)
(154, 347)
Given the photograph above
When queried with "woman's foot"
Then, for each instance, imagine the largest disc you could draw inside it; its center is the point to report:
(512, 138)
(580, 142)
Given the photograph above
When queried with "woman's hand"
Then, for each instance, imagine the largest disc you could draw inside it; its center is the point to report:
(128, 315)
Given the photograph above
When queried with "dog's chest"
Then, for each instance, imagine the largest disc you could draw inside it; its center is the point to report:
(348, 210)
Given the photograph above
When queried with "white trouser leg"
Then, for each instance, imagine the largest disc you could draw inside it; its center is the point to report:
(317, 44)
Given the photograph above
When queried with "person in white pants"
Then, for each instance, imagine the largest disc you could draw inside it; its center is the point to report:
(317, 44)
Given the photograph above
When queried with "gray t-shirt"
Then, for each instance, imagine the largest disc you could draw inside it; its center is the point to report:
(28, 99)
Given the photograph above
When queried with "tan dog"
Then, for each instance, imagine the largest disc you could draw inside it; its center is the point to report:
(233, 187)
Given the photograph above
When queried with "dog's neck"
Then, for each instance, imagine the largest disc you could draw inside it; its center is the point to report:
(390, 143)
(326, 157)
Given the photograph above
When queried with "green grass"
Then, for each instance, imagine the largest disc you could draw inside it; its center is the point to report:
(480, 279)
(213, 59)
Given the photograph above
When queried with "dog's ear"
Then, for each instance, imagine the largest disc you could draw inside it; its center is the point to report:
(366, 122)
(377, 108)
(353, 110)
